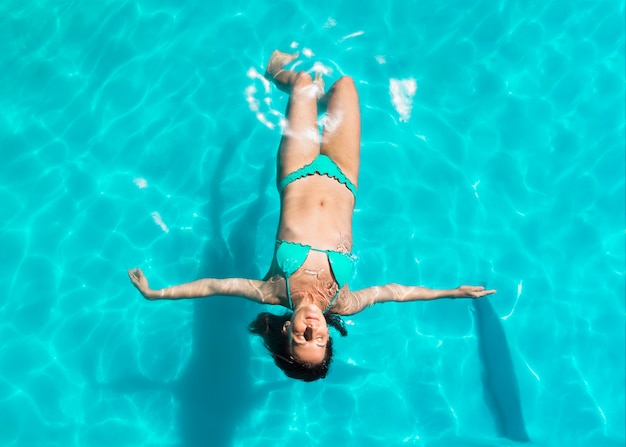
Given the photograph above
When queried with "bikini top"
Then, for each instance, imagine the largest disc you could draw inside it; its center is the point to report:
(291, 255)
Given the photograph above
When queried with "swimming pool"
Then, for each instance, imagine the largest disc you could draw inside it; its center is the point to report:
(138, 134)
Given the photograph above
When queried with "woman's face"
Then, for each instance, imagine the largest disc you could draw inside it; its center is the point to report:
(307, 334)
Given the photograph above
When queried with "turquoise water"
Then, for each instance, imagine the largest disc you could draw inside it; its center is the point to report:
(138, 134)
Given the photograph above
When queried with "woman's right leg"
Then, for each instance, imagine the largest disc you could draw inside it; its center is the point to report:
(300, 143)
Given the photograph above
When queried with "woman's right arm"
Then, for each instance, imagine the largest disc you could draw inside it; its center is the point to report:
(258, 291)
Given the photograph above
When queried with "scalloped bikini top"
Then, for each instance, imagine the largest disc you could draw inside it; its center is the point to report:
(290, 256)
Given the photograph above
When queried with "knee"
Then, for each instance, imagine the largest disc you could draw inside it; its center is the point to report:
(345, 84)
(303, 80)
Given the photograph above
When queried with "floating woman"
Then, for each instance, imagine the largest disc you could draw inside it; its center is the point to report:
(318, 183)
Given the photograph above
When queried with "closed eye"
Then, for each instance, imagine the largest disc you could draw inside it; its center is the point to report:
(299, 339)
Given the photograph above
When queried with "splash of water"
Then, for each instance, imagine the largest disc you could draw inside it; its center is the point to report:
(402, 92)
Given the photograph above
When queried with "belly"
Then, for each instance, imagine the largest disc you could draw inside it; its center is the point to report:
(317, 210)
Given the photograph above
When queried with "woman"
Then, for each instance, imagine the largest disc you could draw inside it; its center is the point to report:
(312, 264)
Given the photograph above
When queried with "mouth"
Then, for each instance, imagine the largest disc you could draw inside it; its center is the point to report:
(312, 318)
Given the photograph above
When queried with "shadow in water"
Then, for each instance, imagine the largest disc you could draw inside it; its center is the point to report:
(499, 380)
(215, 391)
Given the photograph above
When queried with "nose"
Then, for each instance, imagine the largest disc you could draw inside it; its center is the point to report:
(308, 334)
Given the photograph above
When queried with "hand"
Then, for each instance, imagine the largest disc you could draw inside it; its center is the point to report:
(140, 281)
(472, 292)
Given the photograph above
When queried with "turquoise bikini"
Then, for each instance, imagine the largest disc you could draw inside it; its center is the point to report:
(290, 256)
(322, 165)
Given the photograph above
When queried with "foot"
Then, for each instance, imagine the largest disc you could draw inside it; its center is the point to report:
(277, 62)
(318, 82)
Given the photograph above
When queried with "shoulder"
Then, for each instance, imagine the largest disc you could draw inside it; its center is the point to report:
(274, 290)
(350, 302)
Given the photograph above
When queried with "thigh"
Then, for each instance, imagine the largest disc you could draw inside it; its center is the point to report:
(341, 138)
(300, 143)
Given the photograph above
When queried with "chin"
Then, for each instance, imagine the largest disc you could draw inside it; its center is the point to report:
(310, 308)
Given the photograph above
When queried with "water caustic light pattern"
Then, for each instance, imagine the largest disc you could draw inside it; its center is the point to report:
(142, 133)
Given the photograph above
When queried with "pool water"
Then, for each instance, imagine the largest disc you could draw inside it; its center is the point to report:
(140, 134)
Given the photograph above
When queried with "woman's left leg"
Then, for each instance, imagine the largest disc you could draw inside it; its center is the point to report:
(341, 138)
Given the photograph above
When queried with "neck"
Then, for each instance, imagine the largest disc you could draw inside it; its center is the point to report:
(305, 300)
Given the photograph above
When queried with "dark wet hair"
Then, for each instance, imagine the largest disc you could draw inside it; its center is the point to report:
(270, 327)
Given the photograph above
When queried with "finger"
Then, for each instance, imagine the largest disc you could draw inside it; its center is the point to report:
(133, 275)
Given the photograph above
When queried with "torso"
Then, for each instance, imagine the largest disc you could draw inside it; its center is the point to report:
(316, 211)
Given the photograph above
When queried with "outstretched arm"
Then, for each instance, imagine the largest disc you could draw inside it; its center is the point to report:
(259, 291)
(399, 293)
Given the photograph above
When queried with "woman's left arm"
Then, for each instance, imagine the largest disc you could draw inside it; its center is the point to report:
(360, 299)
